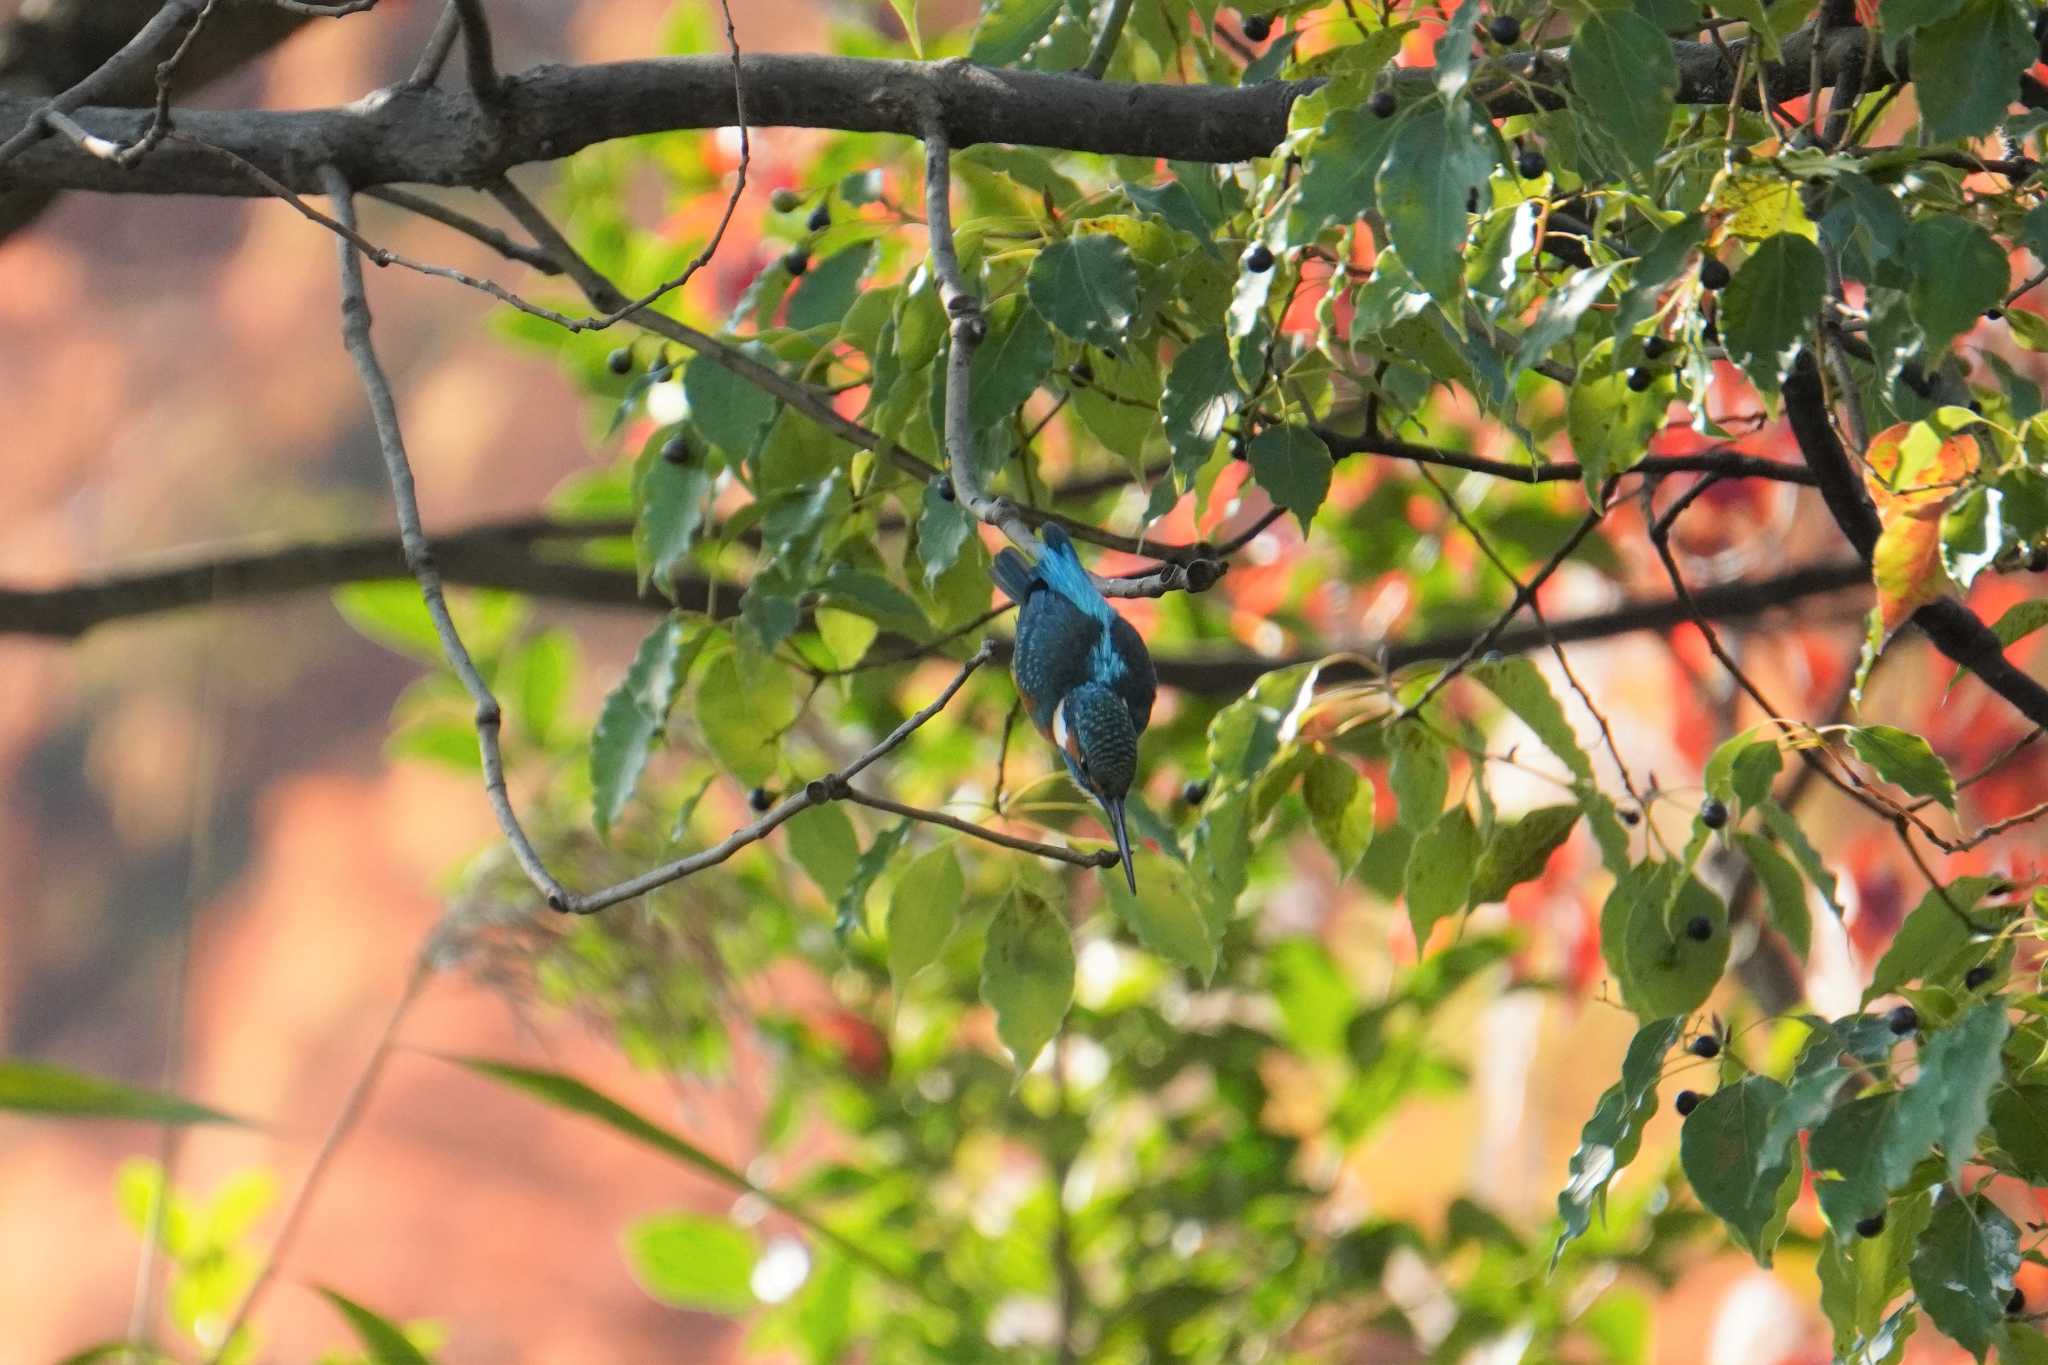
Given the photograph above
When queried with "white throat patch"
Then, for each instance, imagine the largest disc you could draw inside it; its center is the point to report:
(1059, 723)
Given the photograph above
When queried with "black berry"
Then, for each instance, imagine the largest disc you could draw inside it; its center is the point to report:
(1531, 164)
(1993, 314)
(1656, 347)
(1713, 814)
(1710, 333)
(2037, 559)
(1238, 450)
(1083, 371)
(760, 798)
(619, 361)
(1699, 928)
(1630, 816)
(942, 484)
(1195, 792)
(1713, 274)
(797, 261)
(2017, 1304)
(1915, 378)
(1472, 200)
(1257, 28)
(1977, 976)
(676, 449)
(820, 219)
(1706, 1045)
(1640, 378)
(1381, 104)
(785, 200)
(1871, 1226)
(1259, 259)
(1504, 29)
(1687, 1101)
(1902, 1020)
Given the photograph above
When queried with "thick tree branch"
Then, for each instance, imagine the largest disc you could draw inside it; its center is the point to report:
(1955, 630)
(428, 136)
(536, 557)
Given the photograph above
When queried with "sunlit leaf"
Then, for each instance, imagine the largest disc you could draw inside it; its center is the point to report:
(1027, 974)
(693, 1260)
(52, 1092)
(1610, 1139)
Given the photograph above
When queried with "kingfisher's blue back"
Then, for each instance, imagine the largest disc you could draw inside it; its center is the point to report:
(1082, 671)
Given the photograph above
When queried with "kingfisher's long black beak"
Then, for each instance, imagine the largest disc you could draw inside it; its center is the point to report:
(1113, 806)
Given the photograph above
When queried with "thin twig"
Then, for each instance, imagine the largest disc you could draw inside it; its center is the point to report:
(1101, 857)
(200, 846)
(1106, 40)
(477, 60)
(814, 793)
(502, 243)
(1524, 594)
(440, 43)
(419, 558)
(344, 1122)
(132, 54)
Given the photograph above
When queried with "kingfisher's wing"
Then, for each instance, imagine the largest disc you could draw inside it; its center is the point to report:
(1135, 681)
(1054, 642)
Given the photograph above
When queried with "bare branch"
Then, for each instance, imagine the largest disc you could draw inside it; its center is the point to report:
(1101, 857)
(476, 49)
(491, 237)
(419, 558)
(434, 55)
(131, 56)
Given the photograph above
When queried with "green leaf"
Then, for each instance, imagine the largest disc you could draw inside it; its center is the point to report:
(1624, 78)
(1560, 314)
(828, 288)
(1517, 853)
(1337, 173)
(822, 841)
(394, 615)
(382, 1341)
(1340, 806)
(1933, 937)
(2021, 620)
(1957, 272)
(1963, 1269)
(1610, 424)
(1521, 687)
(943, 527)
(2019, 1118)
(1803, 852)
(851, 912)
(1293, 465)
(1661, 969)
(2021, 1343)
(1440, 870)
(1966, 69)
(1771, 305)
(693, 1260)
(1905, 760)
(1027, 974)
(1862, 1152)
(1166, 914)
(1011, 362)
(1740, 1182)
(906, 14)
(1420, 775)
(1899, 18)
(742, 722)
(48, 1091)
(635, 715)
(923, 912)
(1087, 287)
(1958, 1068)
(1611, 1138)
(1008, 28)
(1862, 1276)
(1434, 163)
(1200, 395)
(731, 412)
(1784, 892)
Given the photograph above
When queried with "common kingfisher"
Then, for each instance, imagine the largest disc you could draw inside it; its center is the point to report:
(1082, 672)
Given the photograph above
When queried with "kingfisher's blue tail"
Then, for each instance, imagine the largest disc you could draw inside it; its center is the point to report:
(1013, 575)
